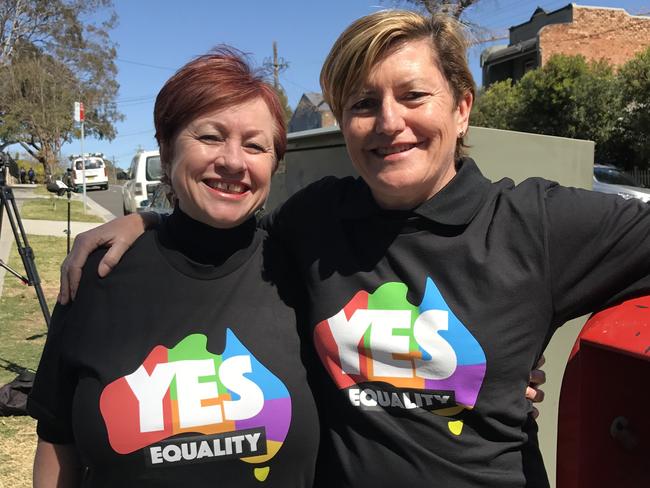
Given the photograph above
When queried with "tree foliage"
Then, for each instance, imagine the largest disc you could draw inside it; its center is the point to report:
(284, 100)
(48, 24)
(570, 97)
(455, 8)
(497, 106)
(634, 123)
(52, 55)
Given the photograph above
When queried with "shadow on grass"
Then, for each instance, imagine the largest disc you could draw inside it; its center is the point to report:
(34, 337)
(13, 367)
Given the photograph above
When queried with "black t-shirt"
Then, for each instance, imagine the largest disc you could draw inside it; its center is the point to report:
(428, 322)
(173, 372)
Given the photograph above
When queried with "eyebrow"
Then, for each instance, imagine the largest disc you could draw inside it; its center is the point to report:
(406, 83)
(252, 132)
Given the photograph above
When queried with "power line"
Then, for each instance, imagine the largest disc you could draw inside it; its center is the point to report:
(134, 133)
(122, 60)
(146, 65)
(297, 85)
(135, 99)
(134, 104)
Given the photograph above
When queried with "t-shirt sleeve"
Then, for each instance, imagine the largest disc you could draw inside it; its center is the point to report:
(598, 250)
(50, 401)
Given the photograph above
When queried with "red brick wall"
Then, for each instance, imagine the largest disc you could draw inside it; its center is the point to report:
(597, 33)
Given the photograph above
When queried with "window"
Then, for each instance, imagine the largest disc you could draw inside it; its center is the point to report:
(90, 164)
(134, 166)
(614, 176)
(529, 65)
(154, 170)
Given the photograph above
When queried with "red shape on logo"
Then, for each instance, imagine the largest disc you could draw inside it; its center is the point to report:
(120, 410)
(328, 349)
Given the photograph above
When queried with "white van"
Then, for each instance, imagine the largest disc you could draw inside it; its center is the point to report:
(96, 172)
(142, 178)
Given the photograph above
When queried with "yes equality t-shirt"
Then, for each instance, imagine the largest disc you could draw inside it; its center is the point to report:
(170, 372)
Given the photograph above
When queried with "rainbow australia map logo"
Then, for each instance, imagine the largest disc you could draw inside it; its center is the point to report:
(387, 353)
(188, 405)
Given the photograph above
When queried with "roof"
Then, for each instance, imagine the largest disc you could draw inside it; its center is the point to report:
(509, 51)
(316, 99)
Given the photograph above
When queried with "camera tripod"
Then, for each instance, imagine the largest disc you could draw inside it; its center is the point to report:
(8, 203)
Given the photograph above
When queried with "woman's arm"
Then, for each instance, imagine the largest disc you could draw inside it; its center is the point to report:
(598, 249)
(118, 235)
(56, 466)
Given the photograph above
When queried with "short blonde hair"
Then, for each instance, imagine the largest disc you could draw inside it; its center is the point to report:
(368, 39)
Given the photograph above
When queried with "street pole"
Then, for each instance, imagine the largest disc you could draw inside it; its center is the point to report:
(276, 66)
(83, 165)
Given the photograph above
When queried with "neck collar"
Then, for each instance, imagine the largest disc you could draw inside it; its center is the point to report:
(456, 204)
(203, 251)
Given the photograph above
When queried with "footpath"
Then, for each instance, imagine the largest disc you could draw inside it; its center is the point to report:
(56, 228)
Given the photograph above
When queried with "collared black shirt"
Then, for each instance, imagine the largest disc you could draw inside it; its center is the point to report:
(453, 205)
(427, 322)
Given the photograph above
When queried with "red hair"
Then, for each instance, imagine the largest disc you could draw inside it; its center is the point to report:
(214, 81)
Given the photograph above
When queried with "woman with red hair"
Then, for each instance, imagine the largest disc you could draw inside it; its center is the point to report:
(183, 367)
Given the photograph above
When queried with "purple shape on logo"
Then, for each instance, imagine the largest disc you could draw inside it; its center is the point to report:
(275, 417)
(466, 382)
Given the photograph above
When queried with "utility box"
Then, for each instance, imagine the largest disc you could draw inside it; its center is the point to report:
(604, 413)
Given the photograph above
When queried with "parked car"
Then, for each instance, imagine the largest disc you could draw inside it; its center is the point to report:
(159, 202)
(142, 178)
(609, 179)
(95, 170)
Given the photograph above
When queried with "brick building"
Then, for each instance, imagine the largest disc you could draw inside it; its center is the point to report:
(311, 113)
(594, 32)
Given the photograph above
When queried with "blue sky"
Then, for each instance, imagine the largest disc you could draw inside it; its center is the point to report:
(155, 37)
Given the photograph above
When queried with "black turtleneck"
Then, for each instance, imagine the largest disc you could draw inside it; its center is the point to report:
(204, 251)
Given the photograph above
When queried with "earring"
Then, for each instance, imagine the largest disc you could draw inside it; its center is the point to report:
(461, 134)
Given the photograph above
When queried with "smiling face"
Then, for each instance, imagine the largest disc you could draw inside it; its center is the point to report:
(401, 127)
(222, 164)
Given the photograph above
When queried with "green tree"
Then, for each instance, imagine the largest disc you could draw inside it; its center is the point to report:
(50, 24)
(52, 55)
(570, 97)
(498, 107)
(285, 103)
(632, 137)
(567, 97)
(36, 100)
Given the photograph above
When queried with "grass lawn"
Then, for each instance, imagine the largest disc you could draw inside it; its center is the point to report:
(41, 190)
(22, 336)
(56, 208)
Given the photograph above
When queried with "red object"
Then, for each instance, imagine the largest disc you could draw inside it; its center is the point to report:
(604, 421)
(81, 111)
